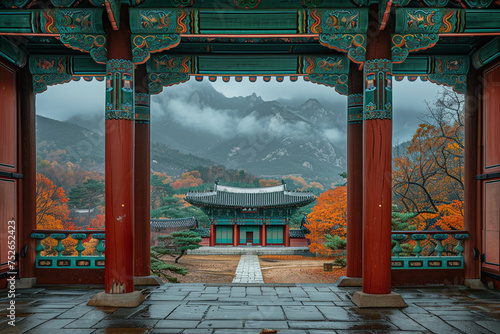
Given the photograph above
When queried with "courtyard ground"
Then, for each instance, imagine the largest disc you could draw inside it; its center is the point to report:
(275, 269)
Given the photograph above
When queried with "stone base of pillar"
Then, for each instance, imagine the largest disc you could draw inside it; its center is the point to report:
(363, 300)
(131, 299)
(151, 280)
(474, 283)
(25, 283)
(349, 281)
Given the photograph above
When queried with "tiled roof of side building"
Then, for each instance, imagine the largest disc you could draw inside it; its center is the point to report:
(177, 223)
(224, 196)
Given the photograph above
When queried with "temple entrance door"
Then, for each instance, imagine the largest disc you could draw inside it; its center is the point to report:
(249, 237)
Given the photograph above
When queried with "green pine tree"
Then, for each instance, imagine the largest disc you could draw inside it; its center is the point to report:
(159, 268)
(336, 243)
(185, 240)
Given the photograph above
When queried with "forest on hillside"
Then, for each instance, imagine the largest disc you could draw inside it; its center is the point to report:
(427, 183)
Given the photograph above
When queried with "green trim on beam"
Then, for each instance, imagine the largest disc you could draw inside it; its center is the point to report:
(12, 52)
(487, 53)
(70, 262)
(427, 262)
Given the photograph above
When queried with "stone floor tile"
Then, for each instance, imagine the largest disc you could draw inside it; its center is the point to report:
(177, 324)
(266, 324)
(493, 326)
(188, 312)
(126, 323)
(308, 313)
(216, 324)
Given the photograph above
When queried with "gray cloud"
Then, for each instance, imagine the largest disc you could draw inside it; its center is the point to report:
(86, 99)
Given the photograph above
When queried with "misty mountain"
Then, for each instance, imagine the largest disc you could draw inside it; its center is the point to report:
(70, 142)
(266, 138)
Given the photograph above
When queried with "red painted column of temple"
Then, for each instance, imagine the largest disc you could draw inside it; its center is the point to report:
(212, 235)
(471, 151)
(264, 234)
(27, 121)
(377, 163)
(355, 173)
(236, 237)
(119, 174)
(286, 234)
(142, 180)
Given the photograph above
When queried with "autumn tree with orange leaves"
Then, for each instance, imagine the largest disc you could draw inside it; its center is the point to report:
(52, 212)
(327, 217)
(428, 175)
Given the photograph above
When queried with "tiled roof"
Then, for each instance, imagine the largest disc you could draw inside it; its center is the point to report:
(177, 223)
(297, 233)
(224, 196)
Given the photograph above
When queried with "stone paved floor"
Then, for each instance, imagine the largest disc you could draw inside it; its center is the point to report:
(248, 270)
(230, 309)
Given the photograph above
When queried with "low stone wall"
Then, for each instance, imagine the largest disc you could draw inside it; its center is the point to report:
(249, 250)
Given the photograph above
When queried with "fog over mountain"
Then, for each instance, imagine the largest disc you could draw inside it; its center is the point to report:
(266, 138)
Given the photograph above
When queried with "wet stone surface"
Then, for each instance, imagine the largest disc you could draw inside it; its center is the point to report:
(249, 308)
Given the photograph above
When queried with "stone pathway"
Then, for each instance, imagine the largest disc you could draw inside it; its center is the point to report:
(248, 270)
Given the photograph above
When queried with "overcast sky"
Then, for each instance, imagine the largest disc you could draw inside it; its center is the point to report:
(87, 98)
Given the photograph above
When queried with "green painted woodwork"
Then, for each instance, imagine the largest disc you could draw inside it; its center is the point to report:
(94, 44)
(479, 3)
(353, 45)
(446, 20)
(398, 238)
(69, 20)
(142, 108)
(416, 260)
(248, 22)
(355, 109)
(119, 89)
(259, 4)
(12, 52)
(16, 21)
(159, 21)
(243, 234)
(248, 64)
(427, 262)
(336, 21)
(48, 70)
(70, 262)
(402, 45)
(378, 89)
(274, 234)
(223, 234)
(330, 71)
(79, 247)
(429, 20)
(487, 53)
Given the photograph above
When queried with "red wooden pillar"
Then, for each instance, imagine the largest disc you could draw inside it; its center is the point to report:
(264, 235)
(142, 183)
(377, 167)
(286, 236)
(27, 198)
(212, 235)
(236, 237)
(471, 151)
(355, 173)
(119, 174)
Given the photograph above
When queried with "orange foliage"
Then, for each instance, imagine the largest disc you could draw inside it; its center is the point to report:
(299, 183)
(188, 179)
(268, 183)
(52, 212)
(329, 212)
(182, 198)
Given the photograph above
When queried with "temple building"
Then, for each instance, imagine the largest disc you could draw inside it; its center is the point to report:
(250, 216)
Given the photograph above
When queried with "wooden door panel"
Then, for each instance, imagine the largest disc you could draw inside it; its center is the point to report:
(492, 117)
(8, 133)
(492, 223)
(7, 212)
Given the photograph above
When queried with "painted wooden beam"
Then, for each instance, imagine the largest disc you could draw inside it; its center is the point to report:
(12, 52)
(487, 53)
